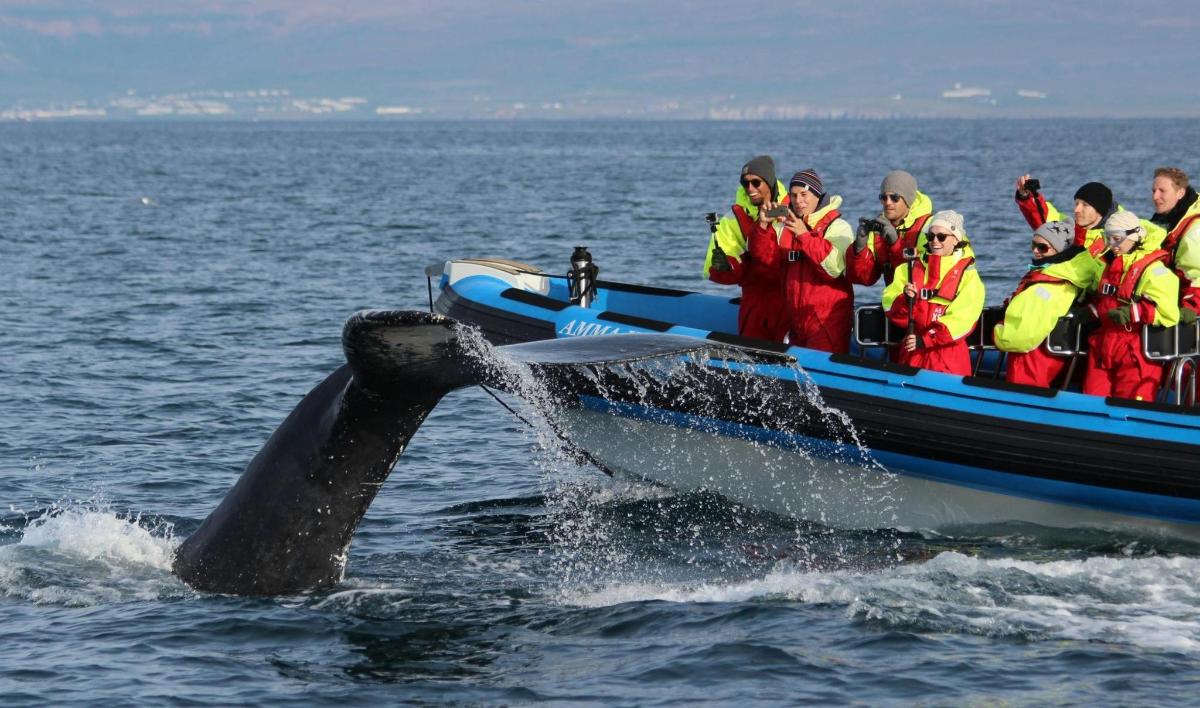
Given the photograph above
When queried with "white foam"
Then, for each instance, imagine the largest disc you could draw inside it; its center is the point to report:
(1149, 602)
(86, 556)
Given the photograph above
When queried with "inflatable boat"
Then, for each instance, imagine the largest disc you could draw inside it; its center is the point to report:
(850, 441)
(650, 383)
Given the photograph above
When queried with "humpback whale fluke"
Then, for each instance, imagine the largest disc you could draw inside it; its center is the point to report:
(286, 525)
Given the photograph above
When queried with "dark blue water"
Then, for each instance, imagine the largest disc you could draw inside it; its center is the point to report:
(169, 292)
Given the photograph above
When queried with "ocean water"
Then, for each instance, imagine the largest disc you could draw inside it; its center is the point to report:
(169, 291)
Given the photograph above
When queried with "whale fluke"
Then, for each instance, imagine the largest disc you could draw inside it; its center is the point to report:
(286, 525)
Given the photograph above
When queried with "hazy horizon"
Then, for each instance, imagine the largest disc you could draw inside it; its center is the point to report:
(509, 59)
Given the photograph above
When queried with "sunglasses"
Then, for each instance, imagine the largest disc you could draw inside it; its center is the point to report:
(940, 238)
(1040, 247)
(893, 198)
(756, 183)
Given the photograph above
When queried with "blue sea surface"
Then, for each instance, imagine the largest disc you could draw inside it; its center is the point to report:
(169, 291)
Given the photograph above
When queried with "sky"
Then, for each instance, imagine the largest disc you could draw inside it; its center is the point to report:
(695, 59)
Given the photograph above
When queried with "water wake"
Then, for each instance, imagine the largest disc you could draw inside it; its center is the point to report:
(1149, 602)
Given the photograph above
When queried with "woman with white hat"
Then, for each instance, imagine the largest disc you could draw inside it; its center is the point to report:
(942, 299)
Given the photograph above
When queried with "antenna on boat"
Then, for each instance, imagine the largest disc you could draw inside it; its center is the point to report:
(581, 279)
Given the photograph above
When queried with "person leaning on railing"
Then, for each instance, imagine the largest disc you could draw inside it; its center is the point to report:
(1135, 289)
(941, 295)
(1058, 277)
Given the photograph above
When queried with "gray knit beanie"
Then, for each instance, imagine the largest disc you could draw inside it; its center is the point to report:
(1058, 234)
(764, 167)
(902, 183)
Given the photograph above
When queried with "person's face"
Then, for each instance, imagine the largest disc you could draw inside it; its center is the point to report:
(756, 188)
(1165, 194)
(1120, 242)
(894, 207)
(941, 241)
(803, 201)
(1042, 248)
(1086, 215)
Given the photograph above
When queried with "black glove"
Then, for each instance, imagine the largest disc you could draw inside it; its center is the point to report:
(720, 262)
(1081, 312)
(863, 234)
(889, 232)
(1187, 316)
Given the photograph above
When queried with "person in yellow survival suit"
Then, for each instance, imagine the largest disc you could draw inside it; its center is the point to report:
(1135, 289)
(942, 295)
(761, 314)
(1058, 278)
(1177, 211)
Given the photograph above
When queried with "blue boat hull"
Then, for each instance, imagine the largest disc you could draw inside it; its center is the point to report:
(935, 449)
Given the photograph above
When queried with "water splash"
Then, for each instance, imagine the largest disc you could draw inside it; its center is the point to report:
(601, 528)
(84, 554)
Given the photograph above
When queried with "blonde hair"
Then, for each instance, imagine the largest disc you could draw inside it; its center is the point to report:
(1176, 175)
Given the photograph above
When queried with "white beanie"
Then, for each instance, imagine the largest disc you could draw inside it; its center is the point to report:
(1124, 224)
(950, 220)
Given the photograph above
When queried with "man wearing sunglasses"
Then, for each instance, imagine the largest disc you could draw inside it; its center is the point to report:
(810, 255)
(942, 295)
(1177, 211)
(761, 312)
(1135, 289)
(888, 240)
(1058, 277)
(1093, 205)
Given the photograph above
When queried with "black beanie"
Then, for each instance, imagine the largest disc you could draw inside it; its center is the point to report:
(764, 167)
(1096, 194)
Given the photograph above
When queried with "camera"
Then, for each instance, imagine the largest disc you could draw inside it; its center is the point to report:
(1032, 185)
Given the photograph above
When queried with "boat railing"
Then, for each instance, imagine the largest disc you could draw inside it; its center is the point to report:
(1178, 348)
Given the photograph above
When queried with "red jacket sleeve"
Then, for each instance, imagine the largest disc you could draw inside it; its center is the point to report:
(936, 336)
(861, 267)
(1143, 311)
(1033, 208)
(1189, 297)
(898, 313)
(763, 249)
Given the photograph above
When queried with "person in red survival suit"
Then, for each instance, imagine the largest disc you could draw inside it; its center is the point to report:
(761, 314)
(893, 237)
(810, 253)
(1135, 289)
(942, 295)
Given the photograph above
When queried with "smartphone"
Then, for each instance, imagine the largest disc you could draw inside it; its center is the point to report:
(780, 211)
(1032, 185)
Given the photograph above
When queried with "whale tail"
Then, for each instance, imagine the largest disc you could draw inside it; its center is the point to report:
(286, 525)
